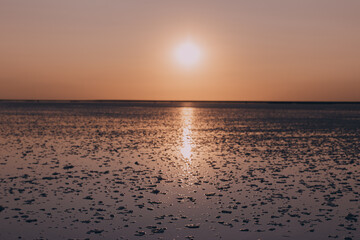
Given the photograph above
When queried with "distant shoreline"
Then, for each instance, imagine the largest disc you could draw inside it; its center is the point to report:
(176, 101)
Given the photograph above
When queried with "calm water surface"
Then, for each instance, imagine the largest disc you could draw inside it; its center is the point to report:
(179, 171)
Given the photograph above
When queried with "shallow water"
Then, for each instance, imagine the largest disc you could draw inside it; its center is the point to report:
(179, 171)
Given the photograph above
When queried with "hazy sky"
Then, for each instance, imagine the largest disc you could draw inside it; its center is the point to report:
(123, 49)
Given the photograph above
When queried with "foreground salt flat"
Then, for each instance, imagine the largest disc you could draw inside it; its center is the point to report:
(99, 171)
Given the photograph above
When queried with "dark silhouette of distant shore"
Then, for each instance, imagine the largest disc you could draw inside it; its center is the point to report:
(93, 104)
(179, 101)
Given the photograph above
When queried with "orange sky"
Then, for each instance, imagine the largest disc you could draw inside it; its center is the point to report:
(252, 50)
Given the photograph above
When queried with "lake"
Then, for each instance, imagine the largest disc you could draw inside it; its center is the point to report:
(179, 170)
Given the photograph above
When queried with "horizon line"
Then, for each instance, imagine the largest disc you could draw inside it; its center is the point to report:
(176, 101)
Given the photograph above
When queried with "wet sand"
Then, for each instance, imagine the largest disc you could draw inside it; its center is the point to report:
(157, 171)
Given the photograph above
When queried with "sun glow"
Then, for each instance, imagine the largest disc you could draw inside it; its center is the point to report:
(187, 54)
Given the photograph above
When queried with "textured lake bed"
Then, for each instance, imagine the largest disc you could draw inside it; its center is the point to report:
(179, 171)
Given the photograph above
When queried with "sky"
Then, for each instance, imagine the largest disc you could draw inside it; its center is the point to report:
(260, 50)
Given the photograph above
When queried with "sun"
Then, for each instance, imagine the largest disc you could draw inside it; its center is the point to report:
(187, 54)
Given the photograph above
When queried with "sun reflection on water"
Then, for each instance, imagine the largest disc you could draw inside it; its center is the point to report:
(186, 147)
